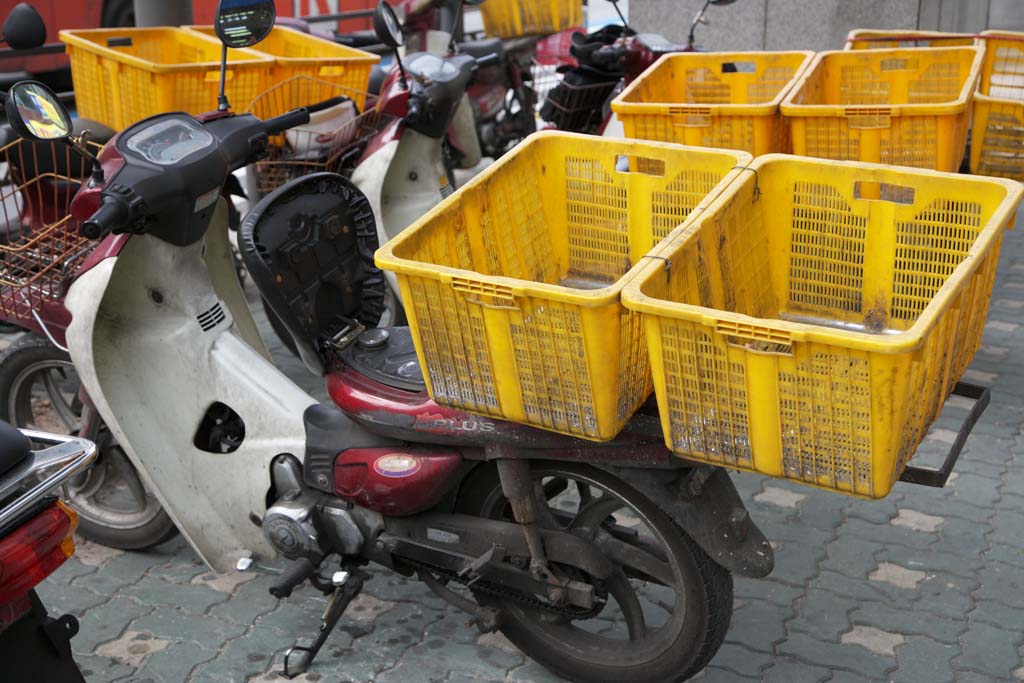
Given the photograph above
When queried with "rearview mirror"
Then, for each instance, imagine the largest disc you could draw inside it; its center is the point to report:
(24, 28)
(35, 112)
(243, 23)
(387, 27)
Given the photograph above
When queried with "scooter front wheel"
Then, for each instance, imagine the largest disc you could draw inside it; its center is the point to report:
(39, 389)
(666, 607)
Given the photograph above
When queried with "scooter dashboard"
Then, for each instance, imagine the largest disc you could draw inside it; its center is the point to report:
(169, 141)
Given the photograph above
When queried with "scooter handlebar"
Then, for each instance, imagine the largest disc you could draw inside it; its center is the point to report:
(488, 60)
(280, 124)
(113, 215)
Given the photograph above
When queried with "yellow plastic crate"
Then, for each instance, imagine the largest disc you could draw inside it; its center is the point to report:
(906, 107)
(517, 18)
(997, 141)
(511, 285)
(299, 54)
(715, 99)
(872, 39)
(159, 70)
(817, 315)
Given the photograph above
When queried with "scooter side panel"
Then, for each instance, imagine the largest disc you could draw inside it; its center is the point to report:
(152, 372)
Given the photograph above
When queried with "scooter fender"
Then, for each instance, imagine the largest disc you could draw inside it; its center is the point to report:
(704, 502)
(154, 352)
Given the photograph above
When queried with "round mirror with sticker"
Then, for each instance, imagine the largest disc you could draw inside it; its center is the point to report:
(35, 112)
(243, 23)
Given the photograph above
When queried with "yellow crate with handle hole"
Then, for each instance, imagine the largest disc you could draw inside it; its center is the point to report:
(519, 18)
(876, 39)
(905, 107)
(997, 138)
(511, 285)
(714, 99)
(124, 75)
(818, 314)
(300, 54)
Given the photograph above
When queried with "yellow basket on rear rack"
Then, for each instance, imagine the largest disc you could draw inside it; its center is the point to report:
(124, 75)
(817, 315)
(872, 39)
(299, 54)
(905, 107)
(997, 141)
(518, 18)
(511, 285)
(715, 99)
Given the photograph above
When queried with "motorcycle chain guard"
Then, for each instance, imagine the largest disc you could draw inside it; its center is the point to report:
(309, 247)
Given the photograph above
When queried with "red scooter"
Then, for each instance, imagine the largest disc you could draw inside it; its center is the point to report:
(608, 60)
(563, 545)
(36, 532)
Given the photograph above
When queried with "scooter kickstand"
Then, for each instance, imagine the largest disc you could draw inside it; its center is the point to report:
(347, 586)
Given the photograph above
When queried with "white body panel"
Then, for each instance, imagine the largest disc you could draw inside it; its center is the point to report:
(153, 372)
(403, 180)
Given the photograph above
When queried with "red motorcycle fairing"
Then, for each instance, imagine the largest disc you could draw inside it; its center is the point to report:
(395, 481)
(415, 417)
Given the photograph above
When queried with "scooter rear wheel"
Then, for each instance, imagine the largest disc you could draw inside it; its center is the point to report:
(39, 389)
(653, 629)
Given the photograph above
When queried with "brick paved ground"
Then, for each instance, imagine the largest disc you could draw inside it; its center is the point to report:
(923, 586)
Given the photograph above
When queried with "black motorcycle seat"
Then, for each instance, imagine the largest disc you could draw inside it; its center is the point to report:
(308, 247)
(482, 48)
(14, 447)
(357, 38)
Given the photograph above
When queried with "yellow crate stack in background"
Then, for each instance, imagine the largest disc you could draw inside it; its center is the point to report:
(518, 18)
(905, 107)
(124, 75)
(512, 284)
(720, 99)
(997, 138)
(875, 39)
(300, 54)
(816, 316)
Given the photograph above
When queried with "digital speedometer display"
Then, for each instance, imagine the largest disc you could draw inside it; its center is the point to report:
(168, 142)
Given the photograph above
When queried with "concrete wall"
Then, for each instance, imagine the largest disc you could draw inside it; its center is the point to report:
(816, 24)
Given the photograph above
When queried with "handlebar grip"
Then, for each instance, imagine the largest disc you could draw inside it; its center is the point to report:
(112, 215)
(489, 60)
(279, 124)
(296, 573)
(326, 104)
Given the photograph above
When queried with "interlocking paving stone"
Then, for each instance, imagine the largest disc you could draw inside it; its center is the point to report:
(786, 670)
(925, 659)
(988, 650)
(822, 614)
(851, 657)
(915, 621)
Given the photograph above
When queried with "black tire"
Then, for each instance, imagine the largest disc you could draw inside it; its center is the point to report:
(156, 528)
(118, 13)
(691, 641)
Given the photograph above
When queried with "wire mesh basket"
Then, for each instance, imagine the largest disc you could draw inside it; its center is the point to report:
(578, 108)
(333, 141)
(40, 243)
(552, 53)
